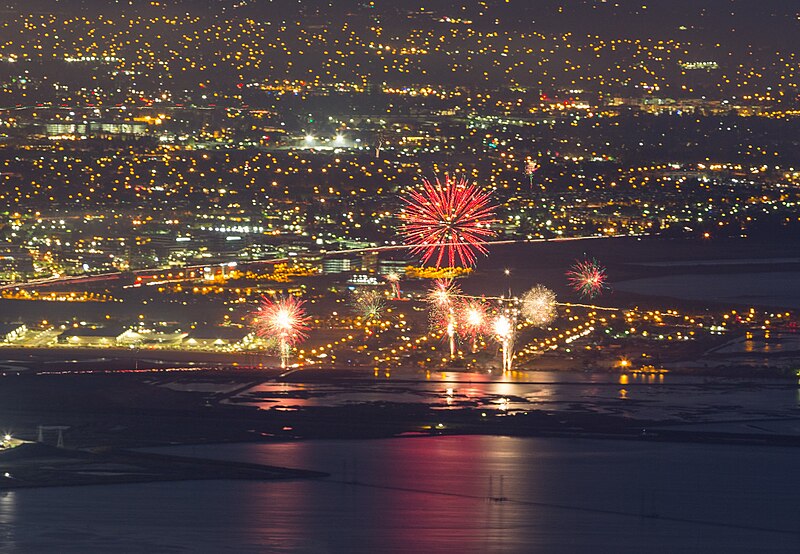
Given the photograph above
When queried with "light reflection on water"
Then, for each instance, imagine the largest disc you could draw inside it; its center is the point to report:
(645, 396)
(431, 495)
(8, 519)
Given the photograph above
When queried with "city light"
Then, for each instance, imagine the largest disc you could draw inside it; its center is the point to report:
(553, 224)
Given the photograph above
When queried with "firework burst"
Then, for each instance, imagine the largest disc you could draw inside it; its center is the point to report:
(473, 320)
(443, 294)
(447, 221)
(531, 167)
(443, 299)
(284, 320)
(539, 306)
(368, 304)
(393, 278)
(588, 278)
(504, 329)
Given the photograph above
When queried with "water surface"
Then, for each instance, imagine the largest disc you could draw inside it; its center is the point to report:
(431, 495)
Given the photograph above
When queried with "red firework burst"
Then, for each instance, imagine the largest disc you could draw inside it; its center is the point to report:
(473, 318)
(447, 220)
(588, 278)
(284, 319)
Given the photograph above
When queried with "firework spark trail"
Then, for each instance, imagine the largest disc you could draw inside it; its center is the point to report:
(531, 167)
(408, 246)
(588, 278)
(393, 278)
(283, 319)
(504, 330)
(590, 306)
(447, 220)
(443, 297)
(539, 306)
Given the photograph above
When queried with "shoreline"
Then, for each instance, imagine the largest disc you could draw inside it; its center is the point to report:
(107, 361)
(184, 468)
(26, 472)
(37, 465)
